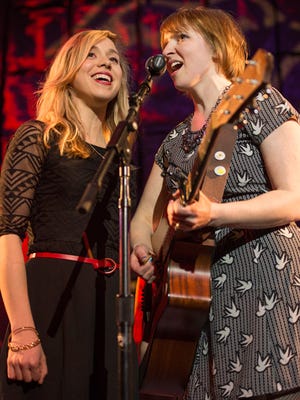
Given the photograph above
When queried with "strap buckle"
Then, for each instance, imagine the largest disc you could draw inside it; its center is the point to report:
(106, 266)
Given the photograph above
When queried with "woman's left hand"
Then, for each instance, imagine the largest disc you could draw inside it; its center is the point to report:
(189, 217)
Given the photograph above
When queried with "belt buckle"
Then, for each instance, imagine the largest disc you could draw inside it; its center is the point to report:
(106, 270)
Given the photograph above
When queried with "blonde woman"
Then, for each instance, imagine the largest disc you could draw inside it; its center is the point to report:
(61, 341)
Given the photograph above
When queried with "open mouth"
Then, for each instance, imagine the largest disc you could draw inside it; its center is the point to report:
(175, 65)
(103, 78)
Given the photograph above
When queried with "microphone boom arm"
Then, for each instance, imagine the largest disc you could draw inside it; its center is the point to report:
(119, 144)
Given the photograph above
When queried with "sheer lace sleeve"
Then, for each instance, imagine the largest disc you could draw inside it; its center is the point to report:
(20, 174)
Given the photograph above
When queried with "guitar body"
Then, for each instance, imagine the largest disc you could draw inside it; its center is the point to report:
(170, 313)
(181, 313)
(180, 300)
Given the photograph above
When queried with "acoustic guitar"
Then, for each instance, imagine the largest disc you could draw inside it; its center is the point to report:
(170, 313)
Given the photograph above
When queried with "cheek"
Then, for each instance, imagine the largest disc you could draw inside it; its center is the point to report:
(119, 78)
(87, 64)
(77, 82)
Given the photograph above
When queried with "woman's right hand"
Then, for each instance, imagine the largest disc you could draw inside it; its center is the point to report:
(142, 262)
(26, 365)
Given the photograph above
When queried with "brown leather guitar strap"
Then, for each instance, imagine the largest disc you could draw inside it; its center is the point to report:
(218, 162)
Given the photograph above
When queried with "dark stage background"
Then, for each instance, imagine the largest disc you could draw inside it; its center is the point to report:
(32, 30)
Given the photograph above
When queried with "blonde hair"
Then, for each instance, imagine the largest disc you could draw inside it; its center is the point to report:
(219, 30)
(55, 106)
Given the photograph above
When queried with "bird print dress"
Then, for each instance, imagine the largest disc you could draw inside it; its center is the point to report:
(251, 343)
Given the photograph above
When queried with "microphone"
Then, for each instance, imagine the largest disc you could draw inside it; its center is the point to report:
(156, 65)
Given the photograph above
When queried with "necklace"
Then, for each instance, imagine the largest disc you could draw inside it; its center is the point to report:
(95, 150)
(190, 139)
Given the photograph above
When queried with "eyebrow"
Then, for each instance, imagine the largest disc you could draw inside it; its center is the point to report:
(113, 51)
(110, 51)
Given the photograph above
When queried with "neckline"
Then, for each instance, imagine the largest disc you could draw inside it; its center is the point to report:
(218, 101)
(95, 149)
(191, 139)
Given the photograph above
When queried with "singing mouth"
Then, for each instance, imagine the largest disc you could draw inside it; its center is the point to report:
(101, 77)
(175, 65)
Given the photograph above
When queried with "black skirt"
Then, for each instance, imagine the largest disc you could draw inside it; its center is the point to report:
(74, 309)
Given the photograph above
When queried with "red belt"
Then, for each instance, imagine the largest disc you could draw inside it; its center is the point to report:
(105, 266)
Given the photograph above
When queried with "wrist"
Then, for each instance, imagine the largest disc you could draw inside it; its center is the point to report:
(213, 215)
(148, 249)
(23, 338)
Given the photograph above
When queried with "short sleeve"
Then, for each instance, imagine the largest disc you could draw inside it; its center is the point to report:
(21, 168)
(270, 111)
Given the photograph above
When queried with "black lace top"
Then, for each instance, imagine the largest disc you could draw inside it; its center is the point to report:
(40, 190)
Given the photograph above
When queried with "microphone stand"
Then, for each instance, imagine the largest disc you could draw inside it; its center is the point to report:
(118, 145)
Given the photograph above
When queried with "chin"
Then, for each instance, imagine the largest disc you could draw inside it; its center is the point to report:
(181, 88)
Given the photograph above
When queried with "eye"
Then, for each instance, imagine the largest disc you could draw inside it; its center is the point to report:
(91, 54)
(181, 36)
(114, 59)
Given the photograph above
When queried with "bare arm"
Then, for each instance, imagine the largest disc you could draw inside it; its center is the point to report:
(29, 364)
(13, 282)
(141, 226)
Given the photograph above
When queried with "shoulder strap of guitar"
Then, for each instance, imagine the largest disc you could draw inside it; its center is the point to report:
(218, 162)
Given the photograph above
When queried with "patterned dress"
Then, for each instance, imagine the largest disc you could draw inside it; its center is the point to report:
(251, 344)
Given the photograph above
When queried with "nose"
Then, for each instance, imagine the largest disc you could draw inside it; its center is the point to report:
(169, 49)
(105, 63)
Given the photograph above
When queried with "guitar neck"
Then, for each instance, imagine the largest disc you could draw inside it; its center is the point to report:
(256, 75)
